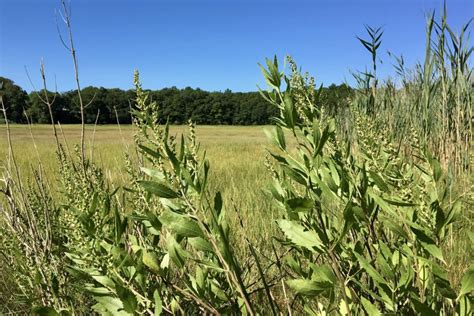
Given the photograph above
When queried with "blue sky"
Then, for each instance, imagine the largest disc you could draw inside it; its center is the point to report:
(213, 45)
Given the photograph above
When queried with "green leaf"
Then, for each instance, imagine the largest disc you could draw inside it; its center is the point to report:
(218, 203)
(471, 236)
(290, 111)
(395, 228)
(328, 180)
(181, 224)
(305, 287)
(98, 290)
(300, 204)
(428, 244)
(280, 136)
(299, 236)
(295, 174)
(276, 136)
(150, 259)
(378, 180)
(150, 152)
(128, 299)
(370, 308)
(109, 304)
(434, 250)
(422, 308)
(45, 311)
(171, 155)
(200, 244)
(159, 189)
(382, 203)
(158, 303)
(464, 307)
(176, 253)
(327, 132)
(467, 282)
(104, 280)
(153, 173)
(323, 273)
(218, 292)
(436, 167)
(369, 269)
(268, 78)
(399, 203)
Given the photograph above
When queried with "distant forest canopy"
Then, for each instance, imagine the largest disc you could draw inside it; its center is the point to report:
(176, 105)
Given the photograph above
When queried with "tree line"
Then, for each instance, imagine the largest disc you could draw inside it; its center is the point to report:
(177, 105)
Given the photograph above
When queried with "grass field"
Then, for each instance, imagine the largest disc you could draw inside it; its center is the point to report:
(236, 155)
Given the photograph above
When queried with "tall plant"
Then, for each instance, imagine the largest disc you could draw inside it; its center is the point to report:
(365, 230)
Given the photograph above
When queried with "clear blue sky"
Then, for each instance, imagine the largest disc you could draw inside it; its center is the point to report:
(209, 44)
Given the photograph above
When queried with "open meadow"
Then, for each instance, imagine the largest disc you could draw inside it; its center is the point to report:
(236, 155)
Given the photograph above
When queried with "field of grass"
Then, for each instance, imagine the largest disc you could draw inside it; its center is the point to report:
(236, 155)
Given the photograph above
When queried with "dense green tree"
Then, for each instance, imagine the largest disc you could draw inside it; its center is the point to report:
(15, 100)
(174, 105)
(118, 104)
(38, 111)
(93, 99)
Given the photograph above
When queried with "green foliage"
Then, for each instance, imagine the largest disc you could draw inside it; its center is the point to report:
(176, 105)
(363, 227)
(172, 250)
(38, 111)
(15, 99)
(432, 103)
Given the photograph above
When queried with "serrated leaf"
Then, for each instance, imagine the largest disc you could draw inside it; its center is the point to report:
(323, 273)
(428, 244)
(280, 136)
(150, 151)
(299, 236)
(379, 182)
(104, 280)
(436, 167)
(422, 308)
(295, 174)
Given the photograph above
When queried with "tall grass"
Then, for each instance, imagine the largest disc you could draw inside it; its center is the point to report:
(431, 103)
